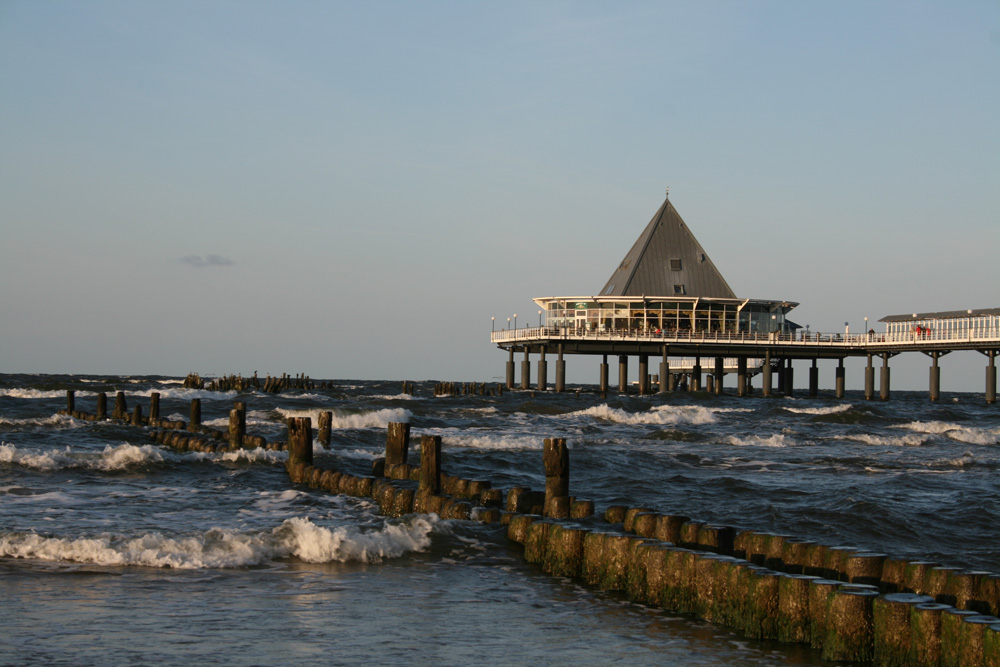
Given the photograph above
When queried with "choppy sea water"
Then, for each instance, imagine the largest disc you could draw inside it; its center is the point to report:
(114, 550)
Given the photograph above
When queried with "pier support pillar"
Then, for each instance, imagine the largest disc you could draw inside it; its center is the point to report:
(720, 371)
(883, 390)
(814, 380)
(741, 376)
(841, 381)
(643, 374)
(869, 380)
(766, 389)
(664, 373)
(991, 378)
(934, 390)
(789, 376)
(560, 371)
(543, 372)
(525, 371)
(782, 376)
(510, 368)
(623, 373)
(696, 375)
(604, 375)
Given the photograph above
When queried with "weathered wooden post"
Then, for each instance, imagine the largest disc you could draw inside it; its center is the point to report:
(299, 440)
(397, 444)
(102, 405)
(195, 423)
(154, 407)
(430, 464)
(238, 427)
(849, 627)
(325, 425)
(925, 633)
(556, 459)
(891, 619)
(137, 416)
(121, 409)
(70, 401)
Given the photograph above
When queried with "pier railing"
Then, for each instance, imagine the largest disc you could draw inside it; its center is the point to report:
(914, 339)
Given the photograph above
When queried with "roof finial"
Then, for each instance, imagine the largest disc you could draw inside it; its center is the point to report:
(668, 191)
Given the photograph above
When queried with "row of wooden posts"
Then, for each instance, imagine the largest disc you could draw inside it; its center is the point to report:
(271, 385)
(850, 604)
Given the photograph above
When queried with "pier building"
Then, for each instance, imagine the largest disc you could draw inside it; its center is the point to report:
(667, 300)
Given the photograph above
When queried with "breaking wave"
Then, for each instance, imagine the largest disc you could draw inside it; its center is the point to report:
(219, 548)
(110, 458)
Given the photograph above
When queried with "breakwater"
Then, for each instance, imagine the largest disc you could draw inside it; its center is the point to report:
(907, 479)
(847, 603)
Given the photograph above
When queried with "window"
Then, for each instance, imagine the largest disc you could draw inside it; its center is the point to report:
(678, 289)
(675, 265)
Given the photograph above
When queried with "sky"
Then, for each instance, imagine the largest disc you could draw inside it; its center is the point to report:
(354, 189)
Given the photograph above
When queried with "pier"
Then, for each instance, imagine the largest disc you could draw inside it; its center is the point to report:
(699, 316)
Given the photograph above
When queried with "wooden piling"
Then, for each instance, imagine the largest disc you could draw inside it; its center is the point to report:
(397, 444)
(819, 591)
(102, 406)
(760, 619)
(194, 423)
(121, 408)
(430, 464)
(137, 415)
(668, 527)
(971, 647)
(154, 407)
(891, 621)
(556, 459)
(951, 637)
(564, 555)
(850, 635)
(70, 401)
(793, 608)
(925, 634)
(325, 424)
(864, 568)
(238, 426)
(299, 439)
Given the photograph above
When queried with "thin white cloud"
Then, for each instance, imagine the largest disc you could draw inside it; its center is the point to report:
(200, 262)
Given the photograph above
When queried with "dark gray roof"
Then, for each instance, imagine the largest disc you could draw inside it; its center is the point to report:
(666, 260)
(943, 315)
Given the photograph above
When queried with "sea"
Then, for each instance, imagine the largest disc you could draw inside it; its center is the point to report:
(117, 551)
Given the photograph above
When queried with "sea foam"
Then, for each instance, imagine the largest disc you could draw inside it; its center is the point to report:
(110, 458)
(356, 420)
(663, 414)
(219, 548)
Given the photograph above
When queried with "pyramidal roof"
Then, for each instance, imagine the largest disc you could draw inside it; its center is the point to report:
(667, 260)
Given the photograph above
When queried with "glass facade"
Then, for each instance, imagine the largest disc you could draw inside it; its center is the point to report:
(655, 315)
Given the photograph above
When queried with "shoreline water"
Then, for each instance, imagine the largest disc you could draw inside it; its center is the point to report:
(906, 477)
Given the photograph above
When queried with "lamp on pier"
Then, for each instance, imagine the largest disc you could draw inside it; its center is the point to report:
(494, 323)
(515, 320)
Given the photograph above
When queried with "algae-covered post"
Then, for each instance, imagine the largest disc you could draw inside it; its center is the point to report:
(556, 458)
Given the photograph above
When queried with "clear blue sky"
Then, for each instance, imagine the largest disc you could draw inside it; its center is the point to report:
(352, 189)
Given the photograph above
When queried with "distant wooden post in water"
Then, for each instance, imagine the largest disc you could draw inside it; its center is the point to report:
(325, 423)
(556, 459)
(299, 440)
(238, 427)
(397, 444)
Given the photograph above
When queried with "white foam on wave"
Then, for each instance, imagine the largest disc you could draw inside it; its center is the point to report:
(493, 442)
(24, 392)
(356, 420)
(829, 410)
(296, 537)
(906, 440)
(53, 421)
(774, 440)
(968, 435)
(662, 414)
(110, 458)
(183, 393)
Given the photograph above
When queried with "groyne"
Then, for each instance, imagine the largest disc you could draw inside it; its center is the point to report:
(849, 604)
